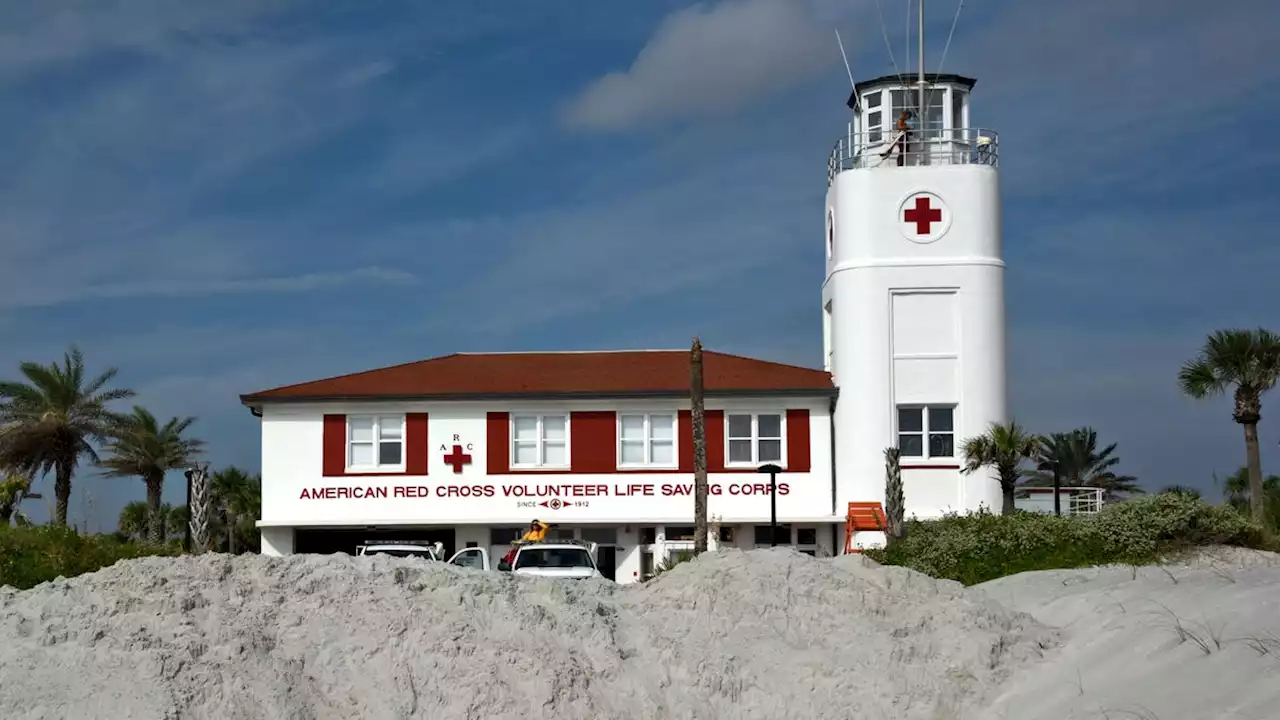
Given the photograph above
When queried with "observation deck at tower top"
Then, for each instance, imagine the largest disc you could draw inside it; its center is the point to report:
(944, 138)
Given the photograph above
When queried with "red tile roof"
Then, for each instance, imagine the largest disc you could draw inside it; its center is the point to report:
(559, 374)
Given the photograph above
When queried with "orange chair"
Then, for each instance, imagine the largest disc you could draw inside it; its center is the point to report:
(863, 517)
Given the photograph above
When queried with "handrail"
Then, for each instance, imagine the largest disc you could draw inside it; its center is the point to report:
(928, 147)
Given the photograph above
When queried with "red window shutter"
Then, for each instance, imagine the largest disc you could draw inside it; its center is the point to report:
(499, 440)
(593, 441)
(416, 444)
(798, 441)
(335, 446)
(684, 430)
(715, 441)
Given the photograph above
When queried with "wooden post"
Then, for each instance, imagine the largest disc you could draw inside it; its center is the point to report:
(699, 450)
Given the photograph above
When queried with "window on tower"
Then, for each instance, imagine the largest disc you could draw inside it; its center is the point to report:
(910, 100)
(875, 117)
(926, 431)
(831, 234)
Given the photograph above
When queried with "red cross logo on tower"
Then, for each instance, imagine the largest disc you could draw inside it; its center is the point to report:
(457, 459)
(924, 217)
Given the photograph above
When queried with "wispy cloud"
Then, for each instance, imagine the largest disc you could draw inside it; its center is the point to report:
(196, 286)
(34, 37)
(713, 59)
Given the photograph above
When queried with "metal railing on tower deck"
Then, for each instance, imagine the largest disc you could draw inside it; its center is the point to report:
(887, 150)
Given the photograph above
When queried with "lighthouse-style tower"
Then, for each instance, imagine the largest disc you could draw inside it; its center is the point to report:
(913, 302)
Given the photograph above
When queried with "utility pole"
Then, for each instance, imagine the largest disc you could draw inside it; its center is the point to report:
(699, 449)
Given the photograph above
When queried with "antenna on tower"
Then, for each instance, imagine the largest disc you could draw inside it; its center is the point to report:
(920, 49)
(845, 57)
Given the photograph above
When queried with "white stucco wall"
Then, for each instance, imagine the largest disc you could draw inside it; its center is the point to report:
(292, 456)
(873, 262)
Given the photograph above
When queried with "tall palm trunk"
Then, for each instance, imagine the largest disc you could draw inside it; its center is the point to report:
(1257, 496)
(1008, 483)
(61, 491)
(699, 450)
(231, 532)
(155, 520)
(1247, 412)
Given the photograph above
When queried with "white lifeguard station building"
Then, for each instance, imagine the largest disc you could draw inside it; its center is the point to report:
(914, 319)
(466, 449)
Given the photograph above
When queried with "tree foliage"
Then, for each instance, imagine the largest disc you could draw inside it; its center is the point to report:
(982, 546)
(52, 420)
(1003, 447)
(1080, 464)
(1249, 362)
(140, 447)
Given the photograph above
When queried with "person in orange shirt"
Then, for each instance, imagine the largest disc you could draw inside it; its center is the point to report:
(537, 532)
(900, 141)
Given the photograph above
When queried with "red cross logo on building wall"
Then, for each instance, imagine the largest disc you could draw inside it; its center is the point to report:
(924, 215)
(457, 459)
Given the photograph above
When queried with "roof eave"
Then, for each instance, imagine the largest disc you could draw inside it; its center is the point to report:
(257, 401)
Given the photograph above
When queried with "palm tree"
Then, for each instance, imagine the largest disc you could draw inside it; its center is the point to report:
(141, 447)
(237, 497)
(1003, 447)
(50, 421)
(1182, 490)
(135, 521)
(1235, 489)
(14, 488)
(1080, 464)
(1248, 360)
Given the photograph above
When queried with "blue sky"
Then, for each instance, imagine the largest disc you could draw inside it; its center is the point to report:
(222, 197)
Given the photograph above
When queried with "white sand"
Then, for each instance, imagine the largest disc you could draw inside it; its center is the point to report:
(766, 634)
(1196, 638)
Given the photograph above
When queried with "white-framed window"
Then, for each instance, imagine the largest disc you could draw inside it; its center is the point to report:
(927, 431)
(753, 439)
(875, 117)
(375, 442)
(540, 440)
(647, 439)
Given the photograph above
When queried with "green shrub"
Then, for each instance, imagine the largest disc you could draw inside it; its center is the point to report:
(32, 555)
(982, 546)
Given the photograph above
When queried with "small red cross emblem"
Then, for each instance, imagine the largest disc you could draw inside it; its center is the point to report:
(457, 459)
(923, 215)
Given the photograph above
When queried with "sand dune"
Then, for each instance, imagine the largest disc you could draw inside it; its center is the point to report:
(761, 634)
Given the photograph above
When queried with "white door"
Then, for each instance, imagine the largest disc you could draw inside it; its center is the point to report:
(475, 557)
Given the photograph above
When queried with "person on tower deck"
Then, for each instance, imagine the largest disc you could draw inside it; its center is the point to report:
(903, 129)
(537, 532)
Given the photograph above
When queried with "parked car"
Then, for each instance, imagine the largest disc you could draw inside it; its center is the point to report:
(552, 558)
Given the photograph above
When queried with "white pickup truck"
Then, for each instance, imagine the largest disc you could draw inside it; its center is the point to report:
(552, 558)
(434, 551)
